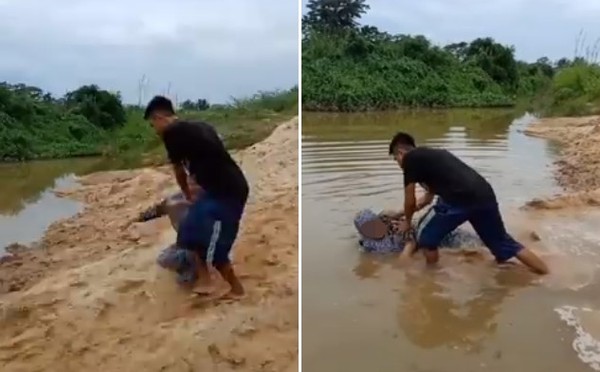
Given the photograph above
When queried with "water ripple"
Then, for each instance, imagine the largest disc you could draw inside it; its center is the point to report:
(352, 168)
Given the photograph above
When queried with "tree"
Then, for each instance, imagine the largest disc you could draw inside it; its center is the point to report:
(200, 105)
(562, 63)
(334, 14)
(497, 60)
(102, 108)
(458, 50)
(545, 66)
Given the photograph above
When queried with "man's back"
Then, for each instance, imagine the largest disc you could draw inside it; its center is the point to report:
(198, 146)
(447, 176)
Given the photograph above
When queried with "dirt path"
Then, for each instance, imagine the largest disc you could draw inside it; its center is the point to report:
(578, 169)
(92, 298)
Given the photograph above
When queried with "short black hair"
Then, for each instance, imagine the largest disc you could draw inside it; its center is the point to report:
(402, 139)
(159, 103)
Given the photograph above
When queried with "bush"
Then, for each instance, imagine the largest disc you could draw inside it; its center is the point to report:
(32, 125)
(573, 91)
(100, 107)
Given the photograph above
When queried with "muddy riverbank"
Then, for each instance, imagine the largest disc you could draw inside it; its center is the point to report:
(578, 168)
(91, 296)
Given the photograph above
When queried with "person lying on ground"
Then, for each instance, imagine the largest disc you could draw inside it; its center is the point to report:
(378, 233)
(175, 206)
(210, 227)
(464, 194)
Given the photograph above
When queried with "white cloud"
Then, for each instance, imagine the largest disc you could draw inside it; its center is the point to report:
(210, 48)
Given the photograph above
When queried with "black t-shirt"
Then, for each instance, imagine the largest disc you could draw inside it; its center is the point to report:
(447, 176)
(197, 146)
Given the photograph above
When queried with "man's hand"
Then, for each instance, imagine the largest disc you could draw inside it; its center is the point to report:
(401, 226)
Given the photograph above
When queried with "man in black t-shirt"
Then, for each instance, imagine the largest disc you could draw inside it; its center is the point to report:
(207, 233)
(463, 195)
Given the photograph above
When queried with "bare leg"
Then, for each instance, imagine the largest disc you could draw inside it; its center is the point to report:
(532, 261)
(432, 256)
(228, 274)
(205, 284)
(409, 249)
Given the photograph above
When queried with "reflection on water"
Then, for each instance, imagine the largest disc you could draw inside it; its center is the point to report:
(431, 316)
(27, 204)
(365, 313)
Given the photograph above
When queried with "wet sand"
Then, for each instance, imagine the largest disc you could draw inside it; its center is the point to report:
(91, 297)
(578, 168)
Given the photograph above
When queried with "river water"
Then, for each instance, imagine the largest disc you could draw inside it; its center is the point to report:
(364, 313)
(28, 205)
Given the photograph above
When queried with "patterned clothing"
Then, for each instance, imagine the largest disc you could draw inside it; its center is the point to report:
(393, 242)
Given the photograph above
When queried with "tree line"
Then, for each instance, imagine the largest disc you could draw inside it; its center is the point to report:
(35, 124)
(347, 66)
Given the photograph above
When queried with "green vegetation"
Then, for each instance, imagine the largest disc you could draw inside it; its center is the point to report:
(241, 123)
(91, 121)
(348, 67)
(574, 91)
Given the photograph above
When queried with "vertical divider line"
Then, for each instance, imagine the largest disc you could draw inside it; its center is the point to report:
(299, 178)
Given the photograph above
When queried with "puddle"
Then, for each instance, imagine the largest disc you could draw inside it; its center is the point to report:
(27, 204)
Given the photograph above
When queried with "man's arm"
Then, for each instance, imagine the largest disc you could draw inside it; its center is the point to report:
(410, 202)
(175, 143)
(181, 177)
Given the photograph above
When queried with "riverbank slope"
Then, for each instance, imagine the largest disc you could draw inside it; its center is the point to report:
(91, 297)
(578, 167)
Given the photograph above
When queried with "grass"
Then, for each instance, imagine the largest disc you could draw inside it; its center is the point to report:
(241, 123)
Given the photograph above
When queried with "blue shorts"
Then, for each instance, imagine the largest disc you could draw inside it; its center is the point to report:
(485, 219)
(210, 229)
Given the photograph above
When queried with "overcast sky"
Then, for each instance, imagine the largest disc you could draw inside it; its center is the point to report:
(535, 27)
(210, 49)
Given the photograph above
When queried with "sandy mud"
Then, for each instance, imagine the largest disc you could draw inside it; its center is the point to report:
(578, 169)
(578, 172)
(91, 296)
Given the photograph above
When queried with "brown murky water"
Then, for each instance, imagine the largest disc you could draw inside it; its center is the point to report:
(28, 205)
(363, 313)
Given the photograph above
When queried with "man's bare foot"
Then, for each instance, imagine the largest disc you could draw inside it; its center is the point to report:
(227, 272)
(204, 290)
(205, 283)
(236, 288)
(232, 296)
(532, 261)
